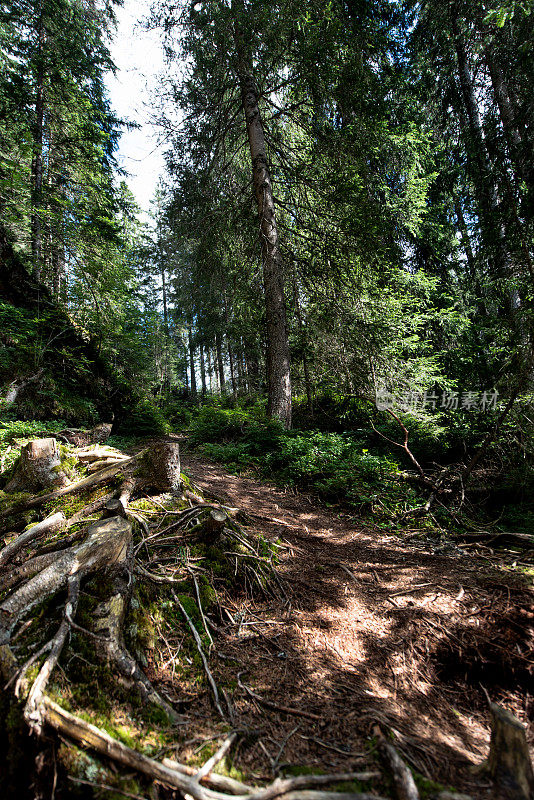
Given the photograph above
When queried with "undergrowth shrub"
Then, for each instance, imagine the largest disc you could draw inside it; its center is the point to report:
(334, 465)
(142, 419)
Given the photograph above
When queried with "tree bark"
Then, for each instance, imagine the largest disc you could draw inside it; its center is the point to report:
(493, 229)
(202, 369)
(506, 112)
(192, 371)
(277, 357)
(39, 467)
(509, 762)
(210, 369)
(232, 370)
(220, 363)
(37, 161)
(161, 466)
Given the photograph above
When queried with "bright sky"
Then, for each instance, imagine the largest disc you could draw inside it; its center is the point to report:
(139, 59)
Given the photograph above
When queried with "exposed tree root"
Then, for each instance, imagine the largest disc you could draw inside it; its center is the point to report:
(401, 776)
(106, 555)
(100, 741)
(32, 709)
(49, 525)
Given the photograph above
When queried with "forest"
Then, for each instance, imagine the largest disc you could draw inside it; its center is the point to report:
(267, 452)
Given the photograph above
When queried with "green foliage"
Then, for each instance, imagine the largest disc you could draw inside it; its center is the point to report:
(334, 465)
(213, 424)
(143, 419)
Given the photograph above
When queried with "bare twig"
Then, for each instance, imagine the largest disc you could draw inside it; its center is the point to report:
(198, 642)
(212, 762)
(297, 712)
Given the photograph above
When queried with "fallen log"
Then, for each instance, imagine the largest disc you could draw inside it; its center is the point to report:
(81, 437)
(91, 454)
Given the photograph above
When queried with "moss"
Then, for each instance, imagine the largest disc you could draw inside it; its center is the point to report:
(155, 715)
(144, 504)
(81, 764)
(224, 767)
(428, 788)
(191, 609)
(218, 562)
(11, 499)
(208, 595)
(302, 769)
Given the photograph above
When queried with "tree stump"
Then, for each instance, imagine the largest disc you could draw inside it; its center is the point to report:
(213, 525)
(81, 438)
(39, 467)
(161, 467)
(114, 508)
(509, 762)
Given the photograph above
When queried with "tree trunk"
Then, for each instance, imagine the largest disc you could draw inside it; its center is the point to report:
(192, 362)
(232, 371)
(39, 467)
(220, 363)
(166, 376)
(210, 369)
(508, 761)
(239, 364)
(278, 357)
(37, 161)
(161, 467)
(511, 129)
(202, 370)
(492, 226)
(302, 334)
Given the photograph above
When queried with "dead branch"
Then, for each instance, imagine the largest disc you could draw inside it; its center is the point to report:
(51, 524)
(404, 445)
(100, 741)
(198, 642)
(212, 762)
(296, 712)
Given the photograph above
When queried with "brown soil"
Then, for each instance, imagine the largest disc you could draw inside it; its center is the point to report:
(375, 630)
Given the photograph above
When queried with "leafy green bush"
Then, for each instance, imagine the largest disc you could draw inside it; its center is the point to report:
(177, 413)
(215, 424)
(334, 465)
(142, 419)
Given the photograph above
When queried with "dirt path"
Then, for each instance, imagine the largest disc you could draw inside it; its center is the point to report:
(376, 630)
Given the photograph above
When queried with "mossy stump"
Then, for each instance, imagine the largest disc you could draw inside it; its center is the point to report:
(38, 467)
(509, 762)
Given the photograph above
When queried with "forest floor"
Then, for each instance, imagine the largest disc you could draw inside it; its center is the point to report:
(377, 629)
